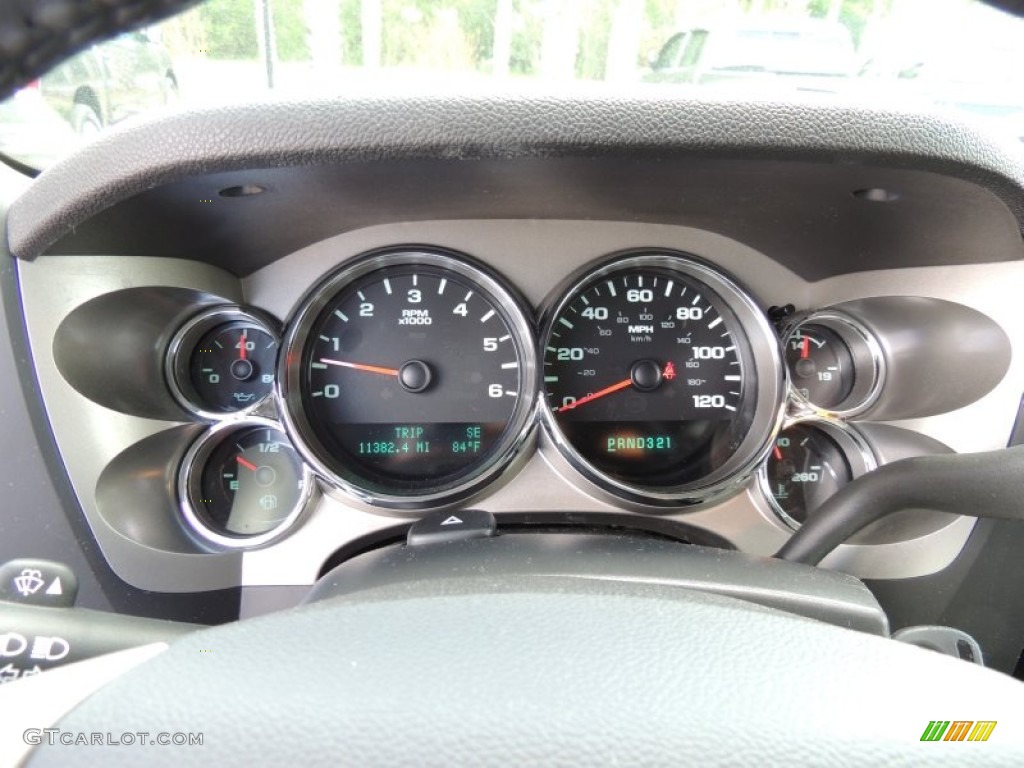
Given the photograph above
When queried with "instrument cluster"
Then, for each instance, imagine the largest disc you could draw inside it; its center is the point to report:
(410, 378)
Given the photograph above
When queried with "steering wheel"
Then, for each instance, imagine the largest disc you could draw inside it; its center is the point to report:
(484, 654)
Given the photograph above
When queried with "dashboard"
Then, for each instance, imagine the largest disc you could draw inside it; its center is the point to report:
(257, 360)
(487, 432)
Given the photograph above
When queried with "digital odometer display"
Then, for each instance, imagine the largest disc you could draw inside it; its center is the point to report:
(648, 375)
(413, 376)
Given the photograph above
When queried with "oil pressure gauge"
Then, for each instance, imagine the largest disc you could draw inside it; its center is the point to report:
(222, 362)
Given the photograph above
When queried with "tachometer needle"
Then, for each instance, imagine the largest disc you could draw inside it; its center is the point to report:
(246, 463)
(361, 367)
(606, 391)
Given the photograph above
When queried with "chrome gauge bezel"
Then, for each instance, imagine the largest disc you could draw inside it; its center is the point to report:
(855, 450)
(517, 435)
(190, 473)
(177, 361)
(868, 362)
(761, 345)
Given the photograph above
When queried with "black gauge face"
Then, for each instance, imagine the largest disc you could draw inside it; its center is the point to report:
(249, 483)
(232, 366)
(806, 467)
(410, 378)
(647, 376)
(821, 365)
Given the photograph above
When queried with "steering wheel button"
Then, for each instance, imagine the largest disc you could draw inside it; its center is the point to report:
(440, 527)
(38, 582)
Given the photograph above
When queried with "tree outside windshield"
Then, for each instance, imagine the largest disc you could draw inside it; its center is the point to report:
(955, 55)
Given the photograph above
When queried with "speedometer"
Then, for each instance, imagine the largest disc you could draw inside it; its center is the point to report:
(409, 378)
(662, 378)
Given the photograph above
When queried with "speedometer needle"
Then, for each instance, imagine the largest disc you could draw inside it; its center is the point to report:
(606, 391)
(361, 367)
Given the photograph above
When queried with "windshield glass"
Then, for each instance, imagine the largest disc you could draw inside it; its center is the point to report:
(954, 55)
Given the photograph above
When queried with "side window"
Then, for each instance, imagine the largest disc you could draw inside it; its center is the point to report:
(668, 58)
(693, 50)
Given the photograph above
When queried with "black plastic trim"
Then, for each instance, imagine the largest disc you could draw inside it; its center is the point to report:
(331, 166)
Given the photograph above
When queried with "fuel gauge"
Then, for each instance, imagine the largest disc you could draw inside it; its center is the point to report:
(242, 485)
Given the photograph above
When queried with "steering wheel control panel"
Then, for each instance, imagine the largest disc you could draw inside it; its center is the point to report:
(646, 387)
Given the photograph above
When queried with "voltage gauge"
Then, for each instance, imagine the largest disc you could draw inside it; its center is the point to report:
(835, 363)
(820, 364)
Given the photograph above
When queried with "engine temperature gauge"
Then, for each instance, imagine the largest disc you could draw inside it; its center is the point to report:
(242, 485)
(810, 461)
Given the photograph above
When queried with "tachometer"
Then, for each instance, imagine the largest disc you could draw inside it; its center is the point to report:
(409, 378)
(662, 378)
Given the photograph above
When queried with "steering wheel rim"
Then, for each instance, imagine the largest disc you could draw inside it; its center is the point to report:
(550, 670)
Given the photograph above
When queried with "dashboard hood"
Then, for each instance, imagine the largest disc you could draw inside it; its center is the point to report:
(665, 160)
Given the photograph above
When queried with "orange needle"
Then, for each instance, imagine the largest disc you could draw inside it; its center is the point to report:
(606, 391)
(246, 463)
(806, 349)
(778, 453)
(242, 344)
(361, 367)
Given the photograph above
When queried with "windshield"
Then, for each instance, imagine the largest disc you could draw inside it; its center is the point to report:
(818, 49)
(954, 55)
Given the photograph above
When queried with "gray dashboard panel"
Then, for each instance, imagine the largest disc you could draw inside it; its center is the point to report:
(32, 499)
(533, 255)
(39, 513)
(89, 436)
